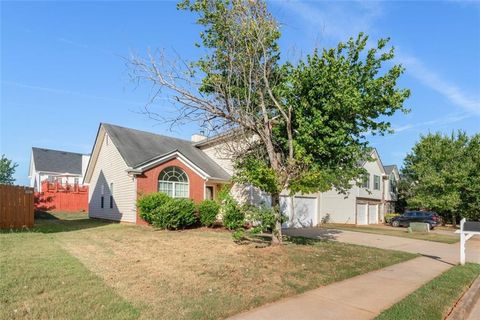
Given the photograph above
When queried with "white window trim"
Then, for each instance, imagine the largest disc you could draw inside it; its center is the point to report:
(376, 178)
(174, 183)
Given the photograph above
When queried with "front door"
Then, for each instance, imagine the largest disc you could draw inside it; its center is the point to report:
(209, 192)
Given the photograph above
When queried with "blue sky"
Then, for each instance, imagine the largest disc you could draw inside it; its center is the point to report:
(63, 65)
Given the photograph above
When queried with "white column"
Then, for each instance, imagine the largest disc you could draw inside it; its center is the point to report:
(462, 243)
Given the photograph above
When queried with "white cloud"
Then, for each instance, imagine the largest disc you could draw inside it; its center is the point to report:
(68, 92)
(434, 81)
(340, 20)
(441, 121)
(337, 20)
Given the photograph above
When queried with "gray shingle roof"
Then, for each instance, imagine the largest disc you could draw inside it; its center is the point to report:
(57, 161)
(388, 169)
(138, 147)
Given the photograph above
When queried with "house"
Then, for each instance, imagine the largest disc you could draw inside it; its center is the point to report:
(391, 181)
(127, 163)
(55, 165)
(359, 205)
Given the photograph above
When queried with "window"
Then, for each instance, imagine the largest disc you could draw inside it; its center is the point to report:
(366, 181)
(393, 183)
(111, 195)
(173, 181)
(75, 181)
(102, 190)
(376, 182)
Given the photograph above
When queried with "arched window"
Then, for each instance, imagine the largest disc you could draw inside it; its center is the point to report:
(174, 182)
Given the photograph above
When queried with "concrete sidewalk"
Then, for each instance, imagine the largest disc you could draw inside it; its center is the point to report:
(475, 313)
(364, 296)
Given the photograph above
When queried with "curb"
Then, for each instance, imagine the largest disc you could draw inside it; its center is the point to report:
(466, 303)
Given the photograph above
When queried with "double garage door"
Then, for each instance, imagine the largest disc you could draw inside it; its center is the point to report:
(367, 212)
(301, 211)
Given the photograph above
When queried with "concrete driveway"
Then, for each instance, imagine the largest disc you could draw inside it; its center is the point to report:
(367, 295)
(441, 251)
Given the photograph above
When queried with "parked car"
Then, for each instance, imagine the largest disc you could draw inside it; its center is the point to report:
(404, 220)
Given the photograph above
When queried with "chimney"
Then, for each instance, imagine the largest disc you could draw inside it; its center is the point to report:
(198, 137)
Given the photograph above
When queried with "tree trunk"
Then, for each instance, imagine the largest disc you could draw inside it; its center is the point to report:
(277, 229)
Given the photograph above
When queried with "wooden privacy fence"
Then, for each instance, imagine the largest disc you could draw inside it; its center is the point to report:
(16, 206)
(62, 197)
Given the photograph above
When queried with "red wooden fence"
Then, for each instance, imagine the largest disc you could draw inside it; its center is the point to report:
(16, 206)
(62, 197)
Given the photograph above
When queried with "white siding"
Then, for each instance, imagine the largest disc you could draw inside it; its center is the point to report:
(111, 168)
(220, 154)
(374, 169)
(390, 196)
(85, 159)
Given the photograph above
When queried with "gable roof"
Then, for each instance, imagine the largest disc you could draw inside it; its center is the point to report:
(57, 161)
(138, 148)
(376, 158)
(390, 168)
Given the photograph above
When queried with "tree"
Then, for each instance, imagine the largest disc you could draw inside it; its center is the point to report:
(300, 128)
(443, 172)
(7, 170)
(470, 206)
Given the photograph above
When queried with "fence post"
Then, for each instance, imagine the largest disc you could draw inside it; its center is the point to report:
(462, 242)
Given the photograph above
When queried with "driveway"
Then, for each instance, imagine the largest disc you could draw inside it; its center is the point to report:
(441, 251)
(367, 295)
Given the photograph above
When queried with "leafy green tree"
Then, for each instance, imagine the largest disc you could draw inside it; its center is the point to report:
(300, 128)
(443, 174)
(470, 207)
(7, 170)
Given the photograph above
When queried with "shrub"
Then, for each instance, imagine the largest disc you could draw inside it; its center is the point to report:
(232, 216)
(163, 211)
(390, 216)
(262, 218)
(147, 205)
(175, 214)
(208, 211)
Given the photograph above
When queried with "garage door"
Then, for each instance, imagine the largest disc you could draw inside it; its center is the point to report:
(362, 213)
(303, 213)
(373, 213)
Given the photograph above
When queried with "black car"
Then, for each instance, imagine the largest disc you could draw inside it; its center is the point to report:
(404, 220)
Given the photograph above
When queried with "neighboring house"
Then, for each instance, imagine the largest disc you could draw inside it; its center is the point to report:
(360, 205)
(128, 163)
(391, 192)
(56, 166)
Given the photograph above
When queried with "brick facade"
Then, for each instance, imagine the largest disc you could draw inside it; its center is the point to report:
(148, 182)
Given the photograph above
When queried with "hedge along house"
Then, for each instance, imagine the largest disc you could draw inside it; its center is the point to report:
(128, 163)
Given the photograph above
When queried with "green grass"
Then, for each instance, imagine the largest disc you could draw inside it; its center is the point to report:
(396, 232)
(433, 300)
(70, 267)
(40, 280)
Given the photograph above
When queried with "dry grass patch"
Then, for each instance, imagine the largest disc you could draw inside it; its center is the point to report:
(203, 274)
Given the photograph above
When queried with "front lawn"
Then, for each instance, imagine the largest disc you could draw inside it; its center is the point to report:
(396, 232)
(436, 298)
(78, 268)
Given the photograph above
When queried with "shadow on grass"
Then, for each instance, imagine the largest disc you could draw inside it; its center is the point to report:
(47, 222)
(294, 236)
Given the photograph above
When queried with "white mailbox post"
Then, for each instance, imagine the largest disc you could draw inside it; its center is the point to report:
(467, 230)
